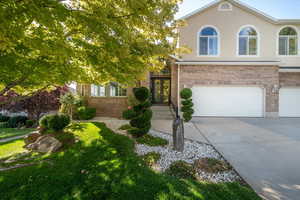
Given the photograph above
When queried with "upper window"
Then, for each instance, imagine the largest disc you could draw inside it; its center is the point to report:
(248, 42)
(225, 6)
(208, 42)
(288, 42)
(112, 89)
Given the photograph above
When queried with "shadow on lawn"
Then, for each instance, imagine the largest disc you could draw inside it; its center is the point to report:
(107, 168)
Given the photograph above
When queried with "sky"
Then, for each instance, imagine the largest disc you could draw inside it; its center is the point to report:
(280, 9)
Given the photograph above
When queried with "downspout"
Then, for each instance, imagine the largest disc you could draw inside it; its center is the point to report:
(178, 90)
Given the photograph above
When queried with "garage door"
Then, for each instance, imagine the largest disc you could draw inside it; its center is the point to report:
(228, 101)
(289, 102)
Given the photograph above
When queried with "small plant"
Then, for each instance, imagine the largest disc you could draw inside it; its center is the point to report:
(68, 102)
(17, 121)
(140, 115)
(30, 123)
(152, 141)
(151, 158)
(55, 122)
(181, 169)
(125, 127)
(211, 165)
(187, 104)
(4, 125)
(4, 118)
(85, 113)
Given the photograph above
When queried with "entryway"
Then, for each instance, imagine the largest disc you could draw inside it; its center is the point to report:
(160, 88)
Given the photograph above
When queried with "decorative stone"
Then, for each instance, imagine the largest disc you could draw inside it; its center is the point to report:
(45, 144)
(31, 138)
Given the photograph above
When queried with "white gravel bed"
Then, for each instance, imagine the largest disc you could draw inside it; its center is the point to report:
(192, 151)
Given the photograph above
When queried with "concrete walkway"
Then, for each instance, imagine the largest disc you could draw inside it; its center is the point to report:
(265, 152)
(11, 138)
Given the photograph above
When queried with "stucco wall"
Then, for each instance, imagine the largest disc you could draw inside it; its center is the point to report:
(228, 25)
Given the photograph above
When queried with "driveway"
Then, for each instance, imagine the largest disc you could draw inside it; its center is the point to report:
(265, 152)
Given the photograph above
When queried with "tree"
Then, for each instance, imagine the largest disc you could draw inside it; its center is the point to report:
(42, 102)
(53, 42)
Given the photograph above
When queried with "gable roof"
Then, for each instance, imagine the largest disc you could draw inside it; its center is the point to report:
(247, 8)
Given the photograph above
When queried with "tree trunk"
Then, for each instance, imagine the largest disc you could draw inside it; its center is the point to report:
(178, 135)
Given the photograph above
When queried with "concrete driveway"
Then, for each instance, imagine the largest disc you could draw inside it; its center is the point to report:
(265, 152)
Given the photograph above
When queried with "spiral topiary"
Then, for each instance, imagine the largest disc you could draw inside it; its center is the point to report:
(187, 104)
(140, 115)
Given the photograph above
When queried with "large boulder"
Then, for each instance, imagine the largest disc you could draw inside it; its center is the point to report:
(45, 144)
(31, 138)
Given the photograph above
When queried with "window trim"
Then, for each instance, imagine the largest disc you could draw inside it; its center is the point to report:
(238, 42)
(224, 10)
(218, 37)
(298, 41)
(107, 87)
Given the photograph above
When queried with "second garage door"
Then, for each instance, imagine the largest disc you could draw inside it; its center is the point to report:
(228, 101)
(289, 102)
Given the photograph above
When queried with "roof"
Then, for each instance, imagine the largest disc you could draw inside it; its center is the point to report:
(246, 7)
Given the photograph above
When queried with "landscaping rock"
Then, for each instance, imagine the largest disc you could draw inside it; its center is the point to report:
(31, 138)
(45, 144)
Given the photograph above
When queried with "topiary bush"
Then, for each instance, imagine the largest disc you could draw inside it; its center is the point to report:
(17, 121)
(4, 118)
(30, 123)
(187, 104)
(86, 113)
(55, 122)
(140, 115)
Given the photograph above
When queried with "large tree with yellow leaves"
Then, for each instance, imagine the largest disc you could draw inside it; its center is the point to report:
(53, 42)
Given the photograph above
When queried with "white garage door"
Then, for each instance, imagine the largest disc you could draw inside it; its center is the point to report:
(289, 102)
(228, 101)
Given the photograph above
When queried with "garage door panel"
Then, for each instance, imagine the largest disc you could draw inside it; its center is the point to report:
(289, 102)
(228, 101)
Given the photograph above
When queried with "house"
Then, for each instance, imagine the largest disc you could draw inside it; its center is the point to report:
(243, 63)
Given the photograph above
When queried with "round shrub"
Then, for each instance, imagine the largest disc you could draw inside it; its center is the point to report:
(4, 118)
(30, 123)
(55, 122)
(141, 94)
(85, 113)
(44, 121)
(186, 93)
(17, 121)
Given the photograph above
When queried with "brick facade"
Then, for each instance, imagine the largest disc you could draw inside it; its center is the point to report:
(108, 106)
(289, 79)
(266, 77)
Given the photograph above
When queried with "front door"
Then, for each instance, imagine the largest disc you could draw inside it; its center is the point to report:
(161, 90)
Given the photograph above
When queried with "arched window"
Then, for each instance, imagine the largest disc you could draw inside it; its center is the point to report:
(288, 41)
(248, 42)
(208, 42)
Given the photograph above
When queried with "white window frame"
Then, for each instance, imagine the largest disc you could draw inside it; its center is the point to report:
(288, 36)
(257, 42)
(218, 38)
(107, 91)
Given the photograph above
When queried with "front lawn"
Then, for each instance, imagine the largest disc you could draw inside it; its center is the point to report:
(103, 165)
(12, 132)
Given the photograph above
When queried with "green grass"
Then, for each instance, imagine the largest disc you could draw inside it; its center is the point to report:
(11, 148)
(11, 132)
(151, 140)
(103, 165)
